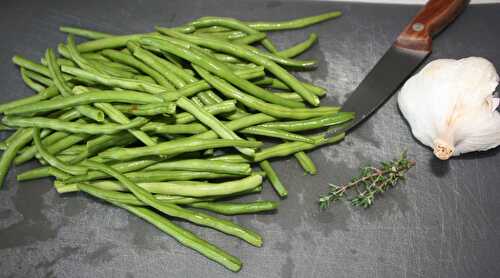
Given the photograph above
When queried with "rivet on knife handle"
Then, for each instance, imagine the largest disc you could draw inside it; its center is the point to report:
(431, 19)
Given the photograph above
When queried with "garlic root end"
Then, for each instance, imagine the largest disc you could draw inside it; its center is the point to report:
(442, 149)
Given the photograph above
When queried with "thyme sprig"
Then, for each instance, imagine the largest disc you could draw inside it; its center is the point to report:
(371, 182)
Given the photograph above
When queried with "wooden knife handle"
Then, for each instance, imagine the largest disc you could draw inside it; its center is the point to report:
(431, 19)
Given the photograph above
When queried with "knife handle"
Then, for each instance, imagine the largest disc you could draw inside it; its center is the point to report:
(431, 19)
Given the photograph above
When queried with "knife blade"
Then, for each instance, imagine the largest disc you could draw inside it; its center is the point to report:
(409, 50)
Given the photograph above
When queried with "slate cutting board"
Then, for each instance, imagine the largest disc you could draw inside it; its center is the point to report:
(444, 222)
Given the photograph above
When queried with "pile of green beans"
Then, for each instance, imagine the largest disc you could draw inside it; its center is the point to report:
(171, 123)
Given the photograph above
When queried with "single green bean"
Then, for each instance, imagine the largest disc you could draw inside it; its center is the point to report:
(274, 110)
(299, 48)
(72, 127)
(23, 138)
(92, 96)
(313, 123)
(85, 33)
(54, 161)
(190, 189)
(42, 95)
(273, 178)
(164, 175)
(147, 109)
(319, 91)
(201, 165)
(31, 83)
(306, 163)
(111, 42)
(276, 133)
(161, 128)
(289, 148)
(38, 77)
(176, 146)
(250, 38)
(229, 208)
(293, 24)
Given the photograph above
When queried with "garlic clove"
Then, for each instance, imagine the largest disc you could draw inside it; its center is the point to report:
(450, 107)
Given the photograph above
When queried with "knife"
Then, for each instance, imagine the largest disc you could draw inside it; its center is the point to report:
(409, 50)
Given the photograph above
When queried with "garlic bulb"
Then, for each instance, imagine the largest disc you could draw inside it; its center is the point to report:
(450, 106)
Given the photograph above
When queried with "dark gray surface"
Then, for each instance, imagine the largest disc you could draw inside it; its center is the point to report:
(444, 222)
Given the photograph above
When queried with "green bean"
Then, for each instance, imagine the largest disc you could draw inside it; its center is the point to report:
(242, 52)
(313, 123)
(65, 90)
(306, 163)
(52, 160)
(273, 178)
(209, 120)
(147, 109)
(42, 95)
(293, 63)
(231, 158)
(125, 198)
(160, 65)
(182, 235)
(228, 208)
(23, 138)
(136, 63)
(276, 133)
(186, 237)
(85, 33)
(227, 35)
(59, 61)
(214, 109)
(161, 128)
(233, 24)
(250, 120)
(250, 38)
(74, 150)
(190, 189)
(176, 211)
(32, 174)
(27, 64)
(72, 127)
(111, 42)
(122, 167)
(30, 152)
(293, 24)
(30, 83)
(274, 110)
(176, 146)
(118, 116)
(201, 165)
(288, 148)
(299, 48)
(219, 69)
(125, 83)
(104, 142)
(163, 175)
(213, 29)
(277, 84)
(38, 77)
(93, 96)
(293, 96)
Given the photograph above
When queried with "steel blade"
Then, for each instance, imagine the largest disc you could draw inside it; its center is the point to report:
(381, 82)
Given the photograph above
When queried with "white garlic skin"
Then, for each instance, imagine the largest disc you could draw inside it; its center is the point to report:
(450, 107)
